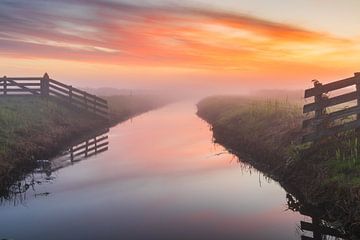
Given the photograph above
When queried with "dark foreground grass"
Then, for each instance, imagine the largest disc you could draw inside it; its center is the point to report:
(267, 134)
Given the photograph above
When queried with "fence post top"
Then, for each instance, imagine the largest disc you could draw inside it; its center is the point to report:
(316, 82)
(46, 76)
(357, 74)
(4, 77)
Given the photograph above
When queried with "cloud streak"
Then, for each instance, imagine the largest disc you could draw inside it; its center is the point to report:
(129, 34)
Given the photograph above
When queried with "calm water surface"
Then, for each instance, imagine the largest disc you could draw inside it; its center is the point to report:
(161, 178)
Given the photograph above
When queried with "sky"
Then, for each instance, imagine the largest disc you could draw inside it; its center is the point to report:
(226, 44)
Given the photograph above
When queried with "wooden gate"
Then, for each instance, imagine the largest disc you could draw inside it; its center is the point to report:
(47, 87)
(326, 123)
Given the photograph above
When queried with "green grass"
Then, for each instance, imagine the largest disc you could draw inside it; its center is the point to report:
(258, 125)
(266, 128)
(30, 125)
(33, 127)
(325, 174)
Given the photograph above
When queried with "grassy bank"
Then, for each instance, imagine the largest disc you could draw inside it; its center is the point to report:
(35, 128)
(32, 127)
(267, 134)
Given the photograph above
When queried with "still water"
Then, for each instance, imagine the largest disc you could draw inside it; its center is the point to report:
(162, 177)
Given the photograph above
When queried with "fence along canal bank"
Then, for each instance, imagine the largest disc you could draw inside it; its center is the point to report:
(313, 158)
(47, 87)
(322, 120)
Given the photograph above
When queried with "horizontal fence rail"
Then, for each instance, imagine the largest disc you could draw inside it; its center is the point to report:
(323, 122)
(46, 87)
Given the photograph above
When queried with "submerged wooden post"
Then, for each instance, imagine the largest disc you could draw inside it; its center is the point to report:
(86, 148)
(5, 86)
(96, 149)
(71, 154)
(44, 86)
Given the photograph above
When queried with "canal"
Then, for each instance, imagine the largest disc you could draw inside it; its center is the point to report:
(159, 176)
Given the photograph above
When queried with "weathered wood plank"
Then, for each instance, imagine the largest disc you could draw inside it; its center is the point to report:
(78, 90)
(23, 84)
(24, 78)
(332, 116)
(85, 106)
(331, 131)
(54, 82)
(77, 103)
(59, 89)
(16, 90)
(33, 91)
(92, 101)
(330, 102)
(88, 95)
(331, 86)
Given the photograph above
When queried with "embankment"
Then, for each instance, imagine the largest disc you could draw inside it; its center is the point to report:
(35, 128)
(267, 135)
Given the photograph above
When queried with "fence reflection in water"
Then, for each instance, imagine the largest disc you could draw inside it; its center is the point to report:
(82, 149)
(318, 228)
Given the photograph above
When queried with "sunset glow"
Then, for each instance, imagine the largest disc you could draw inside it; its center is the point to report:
(74, 39)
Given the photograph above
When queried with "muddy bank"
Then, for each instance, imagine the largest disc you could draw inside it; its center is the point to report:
(267, 135)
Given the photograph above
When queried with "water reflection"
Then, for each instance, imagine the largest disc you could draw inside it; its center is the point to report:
(83, 148)
(45, 170)
(162, 178)
(316, 228)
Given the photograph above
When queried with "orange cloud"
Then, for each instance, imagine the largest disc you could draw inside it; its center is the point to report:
(206, 40)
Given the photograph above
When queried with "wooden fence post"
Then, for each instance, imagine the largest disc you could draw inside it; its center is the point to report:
(5, 86)
(45, 85)
(71, 154)
(319, 102)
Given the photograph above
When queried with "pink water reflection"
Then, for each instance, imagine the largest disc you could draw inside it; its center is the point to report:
(162, 178)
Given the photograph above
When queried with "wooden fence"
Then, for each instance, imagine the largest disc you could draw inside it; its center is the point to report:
(319, 229)
(47, 87)
(324, 123)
